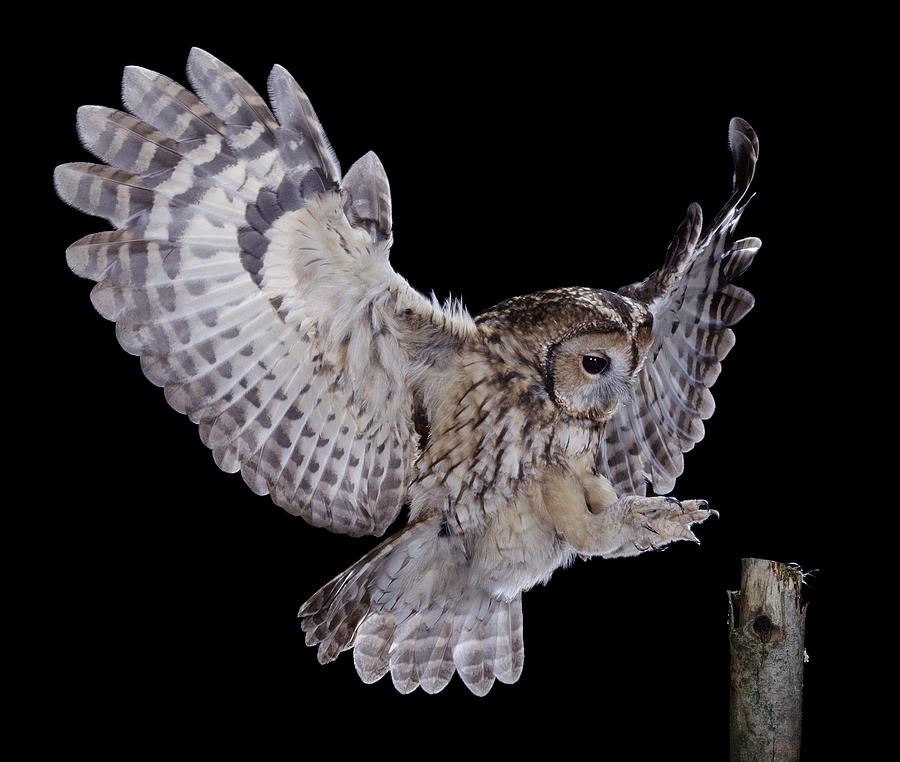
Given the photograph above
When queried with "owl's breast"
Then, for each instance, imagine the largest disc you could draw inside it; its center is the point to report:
(519, 546)
(493, 437)
(508, 525)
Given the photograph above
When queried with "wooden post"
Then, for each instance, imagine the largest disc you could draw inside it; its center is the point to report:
(767, 623)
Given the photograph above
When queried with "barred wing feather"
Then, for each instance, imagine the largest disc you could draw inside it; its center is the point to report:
(694, 303)
(255, 285)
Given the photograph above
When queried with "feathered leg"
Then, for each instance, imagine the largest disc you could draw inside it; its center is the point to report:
(594, 521)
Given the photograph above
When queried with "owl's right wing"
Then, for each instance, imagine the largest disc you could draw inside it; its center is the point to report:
(694, 304)
(254, 283)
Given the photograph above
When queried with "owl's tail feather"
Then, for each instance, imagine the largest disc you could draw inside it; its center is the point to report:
(406, 608)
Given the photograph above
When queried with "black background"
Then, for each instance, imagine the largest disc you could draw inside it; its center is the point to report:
(520, 158)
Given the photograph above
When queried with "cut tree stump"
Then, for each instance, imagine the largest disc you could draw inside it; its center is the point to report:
(767, 627)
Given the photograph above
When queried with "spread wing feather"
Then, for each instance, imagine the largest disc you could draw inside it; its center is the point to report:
(694, 304)
(255, 286)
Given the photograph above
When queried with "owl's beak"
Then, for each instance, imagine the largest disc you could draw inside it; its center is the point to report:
(611, 407)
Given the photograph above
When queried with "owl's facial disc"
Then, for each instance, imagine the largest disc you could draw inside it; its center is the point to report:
(588, 373)
(594, 365)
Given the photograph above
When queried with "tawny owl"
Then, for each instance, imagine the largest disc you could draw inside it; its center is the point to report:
(253, 280)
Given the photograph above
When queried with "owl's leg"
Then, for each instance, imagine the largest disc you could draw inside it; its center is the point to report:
(594, 521)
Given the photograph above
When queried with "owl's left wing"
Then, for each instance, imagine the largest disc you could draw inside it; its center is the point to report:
(253, 281)
(693, 303)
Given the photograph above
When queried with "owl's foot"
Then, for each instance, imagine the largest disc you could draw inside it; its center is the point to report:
(594, 522)
(651, 523)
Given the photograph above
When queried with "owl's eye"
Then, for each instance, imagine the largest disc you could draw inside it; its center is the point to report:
(594, 364)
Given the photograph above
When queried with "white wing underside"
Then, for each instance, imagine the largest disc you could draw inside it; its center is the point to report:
(254, 283)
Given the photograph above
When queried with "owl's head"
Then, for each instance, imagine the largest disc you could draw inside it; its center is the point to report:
(587, 344)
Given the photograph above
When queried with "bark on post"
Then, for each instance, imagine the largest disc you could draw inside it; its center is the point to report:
(767, 623)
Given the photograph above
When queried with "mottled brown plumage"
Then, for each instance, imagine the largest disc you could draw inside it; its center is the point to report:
(253, 280)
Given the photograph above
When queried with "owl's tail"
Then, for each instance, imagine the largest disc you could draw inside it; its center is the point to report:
(407, 607)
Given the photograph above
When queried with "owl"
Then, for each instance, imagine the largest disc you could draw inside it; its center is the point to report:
(252, 279)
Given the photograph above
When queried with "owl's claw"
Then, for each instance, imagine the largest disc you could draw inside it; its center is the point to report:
(676, 501)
